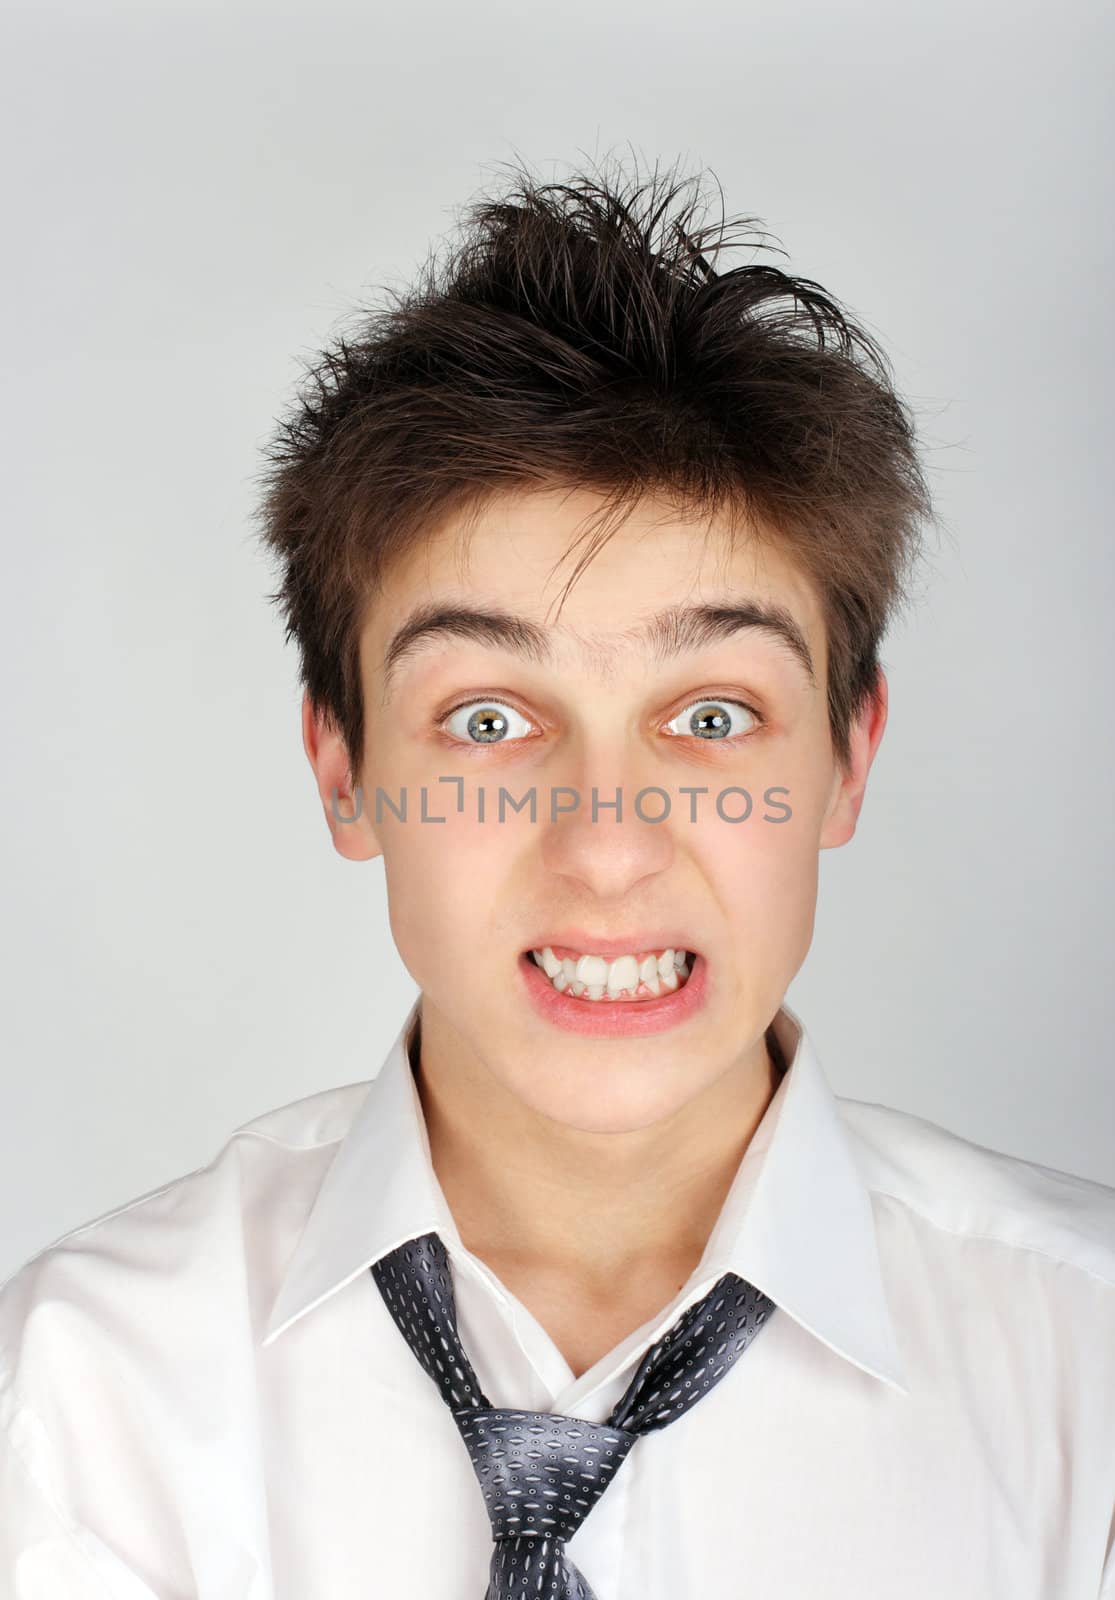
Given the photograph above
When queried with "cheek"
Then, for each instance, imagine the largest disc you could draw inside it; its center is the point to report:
(445, 883)
(764, 875)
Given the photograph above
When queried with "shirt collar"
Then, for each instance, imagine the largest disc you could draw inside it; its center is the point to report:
(797, 1221)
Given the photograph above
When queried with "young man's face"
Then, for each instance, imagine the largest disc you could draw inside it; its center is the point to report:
(605, 710)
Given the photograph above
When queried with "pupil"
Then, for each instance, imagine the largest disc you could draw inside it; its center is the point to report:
(719, 718)
(480, 724)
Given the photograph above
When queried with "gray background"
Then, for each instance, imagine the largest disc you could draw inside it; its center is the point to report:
(194, 198)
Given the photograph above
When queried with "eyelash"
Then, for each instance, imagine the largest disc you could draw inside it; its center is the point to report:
(733, 742)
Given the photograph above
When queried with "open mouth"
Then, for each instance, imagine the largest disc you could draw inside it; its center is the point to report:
(628, 980)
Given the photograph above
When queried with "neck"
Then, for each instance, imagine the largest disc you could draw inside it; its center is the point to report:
(528, 1195)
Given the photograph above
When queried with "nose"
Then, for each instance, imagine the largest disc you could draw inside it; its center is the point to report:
(608, 840)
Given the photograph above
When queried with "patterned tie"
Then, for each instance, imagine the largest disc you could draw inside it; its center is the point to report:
(542, 1473)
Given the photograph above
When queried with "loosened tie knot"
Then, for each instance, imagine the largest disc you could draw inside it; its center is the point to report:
(541, 1473)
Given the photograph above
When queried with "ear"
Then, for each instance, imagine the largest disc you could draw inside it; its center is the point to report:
(849, 782)
(353, 834)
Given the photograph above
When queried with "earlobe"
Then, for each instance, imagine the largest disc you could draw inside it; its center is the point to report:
(841, 812)
(354, 837)
(850, 782)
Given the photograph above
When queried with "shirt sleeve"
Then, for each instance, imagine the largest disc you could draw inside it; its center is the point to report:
(43, 1554)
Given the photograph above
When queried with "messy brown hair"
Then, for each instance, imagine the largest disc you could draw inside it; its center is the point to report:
(578, 336)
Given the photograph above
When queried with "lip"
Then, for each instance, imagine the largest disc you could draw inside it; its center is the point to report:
(612, 949)
(617, 1019)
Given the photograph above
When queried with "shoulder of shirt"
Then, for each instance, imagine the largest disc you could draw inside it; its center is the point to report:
(114, 1294)
(314, 1122)
(975, 1192)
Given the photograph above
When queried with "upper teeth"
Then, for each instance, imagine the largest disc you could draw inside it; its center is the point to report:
(597, 976)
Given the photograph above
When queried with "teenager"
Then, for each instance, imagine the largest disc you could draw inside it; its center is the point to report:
(593, 1287)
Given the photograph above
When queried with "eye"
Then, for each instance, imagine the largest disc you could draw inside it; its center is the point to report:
(712, 719)
(492, 722)
(485, 722)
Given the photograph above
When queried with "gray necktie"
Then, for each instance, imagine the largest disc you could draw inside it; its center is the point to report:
(542, 1473)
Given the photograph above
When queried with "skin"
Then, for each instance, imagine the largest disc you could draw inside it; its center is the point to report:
(574, 1164)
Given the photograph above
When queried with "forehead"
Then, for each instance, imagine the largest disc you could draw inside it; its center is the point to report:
(662, 581)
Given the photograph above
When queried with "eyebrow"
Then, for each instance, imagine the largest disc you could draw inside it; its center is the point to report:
(669, 633)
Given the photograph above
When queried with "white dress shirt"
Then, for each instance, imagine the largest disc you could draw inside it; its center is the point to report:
(204, 1397)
